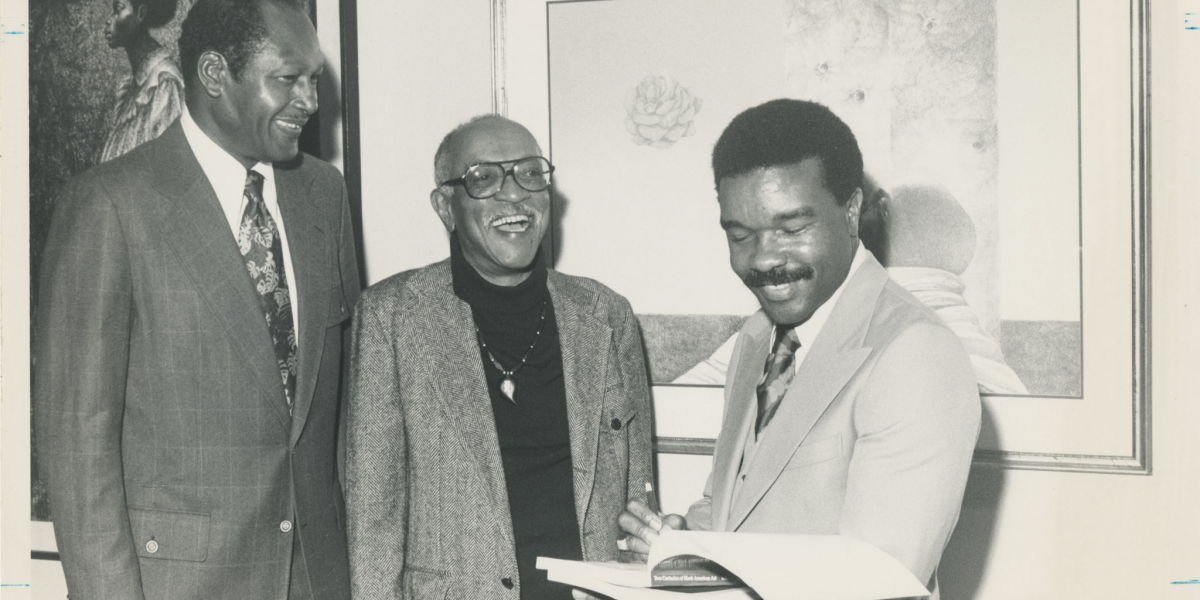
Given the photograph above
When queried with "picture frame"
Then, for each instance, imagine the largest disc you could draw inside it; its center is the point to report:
(1105, 428)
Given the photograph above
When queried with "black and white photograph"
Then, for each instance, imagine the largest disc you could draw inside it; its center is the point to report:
(857, 299)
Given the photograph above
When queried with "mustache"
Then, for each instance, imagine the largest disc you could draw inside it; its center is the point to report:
(778, 276)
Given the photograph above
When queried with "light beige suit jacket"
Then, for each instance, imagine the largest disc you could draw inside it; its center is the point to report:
(873, 438)
(426, 500)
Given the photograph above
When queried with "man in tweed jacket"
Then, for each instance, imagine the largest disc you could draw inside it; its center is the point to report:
(456, 480)
(179, 461)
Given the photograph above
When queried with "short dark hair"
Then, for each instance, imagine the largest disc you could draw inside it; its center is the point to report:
(234, 29)
(158, 12)
(786, 132)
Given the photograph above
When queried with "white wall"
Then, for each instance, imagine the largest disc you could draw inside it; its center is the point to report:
(423, 68)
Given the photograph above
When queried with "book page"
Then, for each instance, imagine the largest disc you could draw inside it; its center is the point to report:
(779, 566)
(774, 566)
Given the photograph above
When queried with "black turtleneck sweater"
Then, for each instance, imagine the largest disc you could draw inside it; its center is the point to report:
(535, 443)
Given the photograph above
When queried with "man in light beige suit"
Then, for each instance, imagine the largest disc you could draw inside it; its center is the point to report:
(850, 408)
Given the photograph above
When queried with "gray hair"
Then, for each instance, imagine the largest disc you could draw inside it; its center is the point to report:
(443, 159)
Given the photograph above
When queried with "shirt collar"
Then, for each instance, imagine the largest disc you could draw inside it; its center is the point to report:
(808, 330)
(219, 166)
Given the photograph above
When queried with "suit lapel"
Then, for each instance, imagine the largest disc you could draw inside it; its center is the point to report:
(586, 343)
(741, 406)
(311, 265)
(194, 225)
(457, 366)
(836, 355)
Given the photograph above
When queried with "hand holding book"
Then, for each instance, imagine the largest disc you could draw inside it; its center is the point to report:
(643, 524)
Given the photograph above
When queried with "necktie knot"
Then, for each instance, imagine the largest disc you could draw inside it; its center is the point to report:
(254, 186)
(786, 341)
(777, 375)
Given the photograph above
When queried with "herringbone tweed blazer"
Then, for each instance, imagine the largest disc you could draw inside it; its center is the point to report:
(163, 431)
(427, 506)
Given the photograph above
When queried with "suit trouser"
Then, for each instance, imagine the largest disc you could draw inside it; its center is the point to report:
(299, 586)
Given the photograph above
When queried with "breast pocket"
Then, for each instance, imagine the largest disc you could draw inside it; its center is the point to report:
(816, 452)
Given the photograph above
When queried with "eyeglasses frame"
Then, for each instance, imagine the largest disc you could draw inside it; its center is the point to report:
(507, 171)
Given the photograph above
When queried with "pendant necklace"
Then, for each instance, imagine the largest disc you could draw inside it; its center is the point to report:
(508, 386)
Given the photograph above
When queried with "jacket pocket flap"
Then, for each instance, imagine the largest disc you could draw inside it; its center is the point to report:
(423, 583)
(815, 452)
(618, 418)
(170, 535)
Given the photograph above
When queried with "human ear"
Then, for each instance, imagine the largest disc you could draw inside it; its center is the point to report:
(140, 13)
(440, 201)
(212, 73)
(853, 210)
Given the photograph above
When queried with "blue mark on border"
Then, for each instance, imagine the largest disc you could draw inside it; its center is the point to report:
(12, 30)
(1190, 581)
(14, 585)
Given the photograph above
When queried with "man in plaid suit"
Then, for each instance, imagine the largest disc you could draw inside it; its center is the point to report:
(189, 336)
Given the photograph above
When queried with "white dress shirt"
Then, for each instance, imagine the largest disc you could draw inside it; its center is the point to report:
(227, 177)
(807, 331)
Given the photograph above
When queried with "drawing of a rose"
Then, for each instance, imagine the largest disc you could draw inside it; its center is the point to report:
(660, 112)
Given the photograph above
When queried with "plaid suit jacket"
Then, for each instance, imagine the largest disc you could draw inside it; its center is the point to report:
(163, 430)
(427, 507)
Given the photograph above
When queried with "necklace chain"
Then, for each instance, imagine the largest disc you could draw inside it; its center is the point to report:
(508, 386)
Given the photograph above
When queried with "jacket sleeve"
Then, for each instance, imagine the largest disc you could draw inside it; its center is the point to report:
(917, 422)
(351, 288)
(376, 458)
(637, 392)
(81, 357)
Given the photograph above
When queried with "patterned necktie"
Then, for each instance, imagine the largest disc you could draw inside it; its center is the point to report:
(778, 374)
(258, 239)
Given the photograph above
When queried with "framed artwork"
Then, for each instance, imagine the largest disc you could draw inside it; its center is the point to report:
(1004, 144)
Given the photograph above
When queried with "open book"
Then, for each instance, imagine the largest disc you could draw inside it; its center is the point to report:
(767, 566)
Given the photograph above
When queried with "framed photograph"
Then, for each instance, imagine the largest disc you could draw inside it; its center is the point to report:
(1005, 148)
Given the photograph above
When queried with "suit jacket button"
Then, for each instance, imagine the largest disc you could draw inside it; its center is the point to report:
(616, 424)
(507, 581)
(285, 526)
(151, 546)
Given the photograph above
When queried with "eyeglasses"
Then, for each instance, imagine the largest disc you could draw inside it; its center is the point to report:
(483, 180)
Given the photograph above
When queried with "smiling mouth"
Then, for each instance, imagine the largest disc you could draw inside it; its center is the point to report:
(291, 126)
(512, 223)
(777, 292)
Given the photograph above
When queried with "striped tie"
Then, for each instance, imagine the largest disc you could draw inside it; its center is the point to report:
(778, 374)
